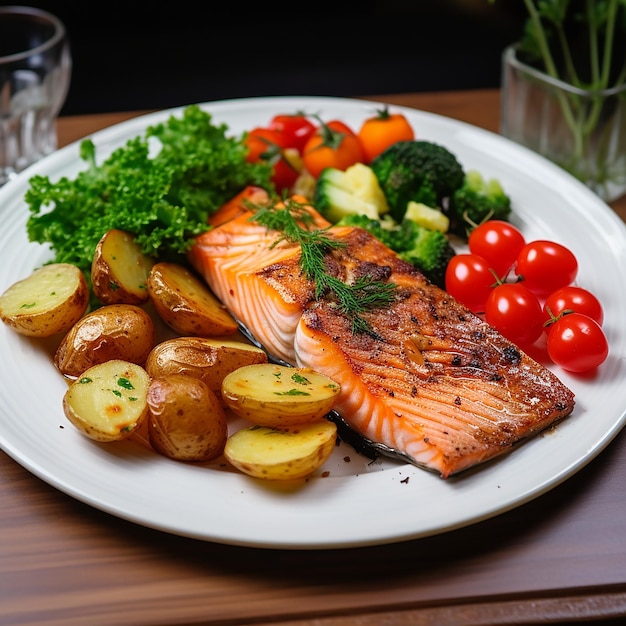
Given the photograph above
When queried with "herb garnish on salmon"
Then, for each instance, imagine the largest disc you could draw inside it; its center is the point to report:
(294, 223)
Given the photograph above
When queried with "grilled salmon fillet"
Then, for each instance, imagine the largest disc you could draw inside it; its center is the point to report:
(432, 381)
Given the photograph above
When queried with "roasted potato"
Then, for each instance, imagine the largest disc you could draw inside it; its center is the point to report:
(49, 301)
(281, 453)
(208, 359)
(114, 331)
(109, 401)
(120, 270)
(278, 395)
(186, 420)
(186, 304)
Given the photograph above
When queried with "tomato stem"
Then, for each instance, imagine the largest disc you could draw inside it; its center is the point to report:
(555, 318)
(330, 138)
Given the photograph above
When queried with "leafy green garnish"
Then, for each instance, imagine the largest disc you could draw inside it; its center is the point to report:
(292, 392)
(295, 224)
(300, 379)
(161, 187)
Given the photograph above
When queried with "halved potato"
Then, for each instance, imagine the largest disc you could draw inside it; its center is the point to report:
(208, 359)
(281, 453)
(120, 270)
(114, 331)
(186, 304)
(49, 301)
(186, 420)
(278, 395)
(108, 402)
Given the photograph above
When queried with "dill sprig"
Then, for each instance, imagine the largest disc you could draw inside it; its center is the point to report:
(295, 224)
(357, 298)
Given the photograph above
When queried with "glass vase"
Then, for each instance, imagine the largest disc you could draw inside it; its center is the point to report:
(582, 131)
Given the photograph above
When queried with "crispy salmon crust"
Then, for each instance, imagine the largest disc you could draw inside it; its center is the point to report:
(431, 380)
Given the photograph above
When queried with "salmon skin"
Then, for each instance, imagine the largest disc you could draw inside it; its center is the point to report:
(432, 383)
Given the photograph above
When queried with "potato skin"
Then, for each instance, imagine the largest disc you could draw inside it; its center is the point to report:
(48, 302)
(114, 331)
(186, 421)
(186, 304)
(208, 359)
(108, 402)
(281, 453)
(120, 270)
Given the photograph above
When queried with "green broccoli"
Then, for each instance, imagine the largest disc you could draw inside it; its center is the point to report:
(376, 227)
(428, 250)
(475, 201)
(431, 253)
(418, 171)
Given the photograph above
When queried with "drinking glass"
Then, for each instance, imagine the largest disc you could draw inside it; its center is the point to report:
(35, 71)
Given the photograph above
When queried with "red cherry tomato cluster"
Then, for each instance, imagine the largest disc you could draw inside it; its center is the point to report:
(293, 142)
(525, 289)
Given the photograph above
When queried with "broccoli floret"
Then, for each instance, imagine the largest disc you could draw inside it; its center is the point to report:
(428, 250)
(418, 171)
(355, 190)
(431, 253)
(476, 200)
(378, 228)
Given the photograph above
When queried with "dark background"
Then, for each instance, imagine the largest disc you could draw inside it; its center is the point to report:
(139, 55)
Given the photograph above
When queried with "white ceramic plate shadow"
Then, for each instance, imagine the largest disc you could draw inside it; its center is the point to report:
(358, 503)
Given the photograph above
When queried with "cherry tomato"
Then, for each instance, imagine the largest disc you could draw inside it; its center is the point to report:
(285, 174)
(515, 312)
(469, 280)
(263, 143)
(333, 144)
(498, 242)
(296, 129)
(546, 266)
(378, 132)
(268, 145)
(339, 126)
(577, 343)
(573, 299)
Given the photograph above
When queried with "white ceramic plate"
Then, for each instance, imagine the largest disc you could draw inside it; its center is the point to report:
(359, 503)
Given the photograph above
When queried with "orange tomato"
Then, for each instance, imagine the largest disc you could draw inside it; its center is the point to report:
(334, 144)
(382, 130)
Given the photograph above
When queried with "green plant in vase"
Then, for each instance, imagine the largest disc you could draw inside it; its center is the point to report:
(572, 56)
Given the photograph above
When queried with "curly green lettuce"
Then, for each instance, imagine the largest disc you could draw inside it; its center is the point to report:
(161, 187)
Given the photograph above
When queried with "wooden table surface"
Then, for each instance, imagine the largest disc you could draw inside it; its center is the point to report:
(558, 559)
